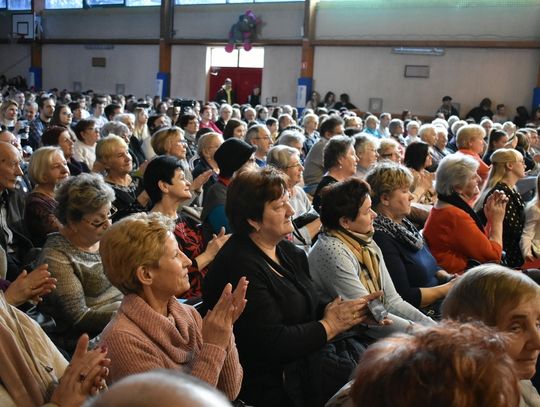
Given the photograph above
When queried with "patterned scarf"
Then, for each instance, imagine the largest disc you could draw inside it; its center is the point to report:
(357, 243)
(404, 232)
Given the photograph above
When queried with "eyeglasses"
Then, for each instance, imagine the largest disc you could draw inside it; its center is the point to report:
(294, 166)
(97, 225)
(11, 163)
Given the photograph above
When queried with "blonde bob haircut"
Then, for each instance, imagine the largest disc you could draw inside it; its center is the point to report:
(133, 242)
(486, 292)
(105, 148)
(163, 139)
(386, 177)
(40, 162)
(468, 133)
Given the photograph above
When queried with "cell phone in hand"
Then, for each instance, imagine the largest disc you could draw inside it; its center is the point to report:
(377, 309)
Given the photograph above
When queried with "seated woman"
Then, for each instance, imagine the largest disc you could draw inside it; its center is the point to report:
(130, 197)
(470, 141)
(284, 321)
(206, 148)
(345, 260)
(232, 155)
(530, 239)
(417, 159)
(497, 139)
(84, 300)
(507, 168)
(235, 128)
(58, 136)
(414, 271)
(167, 187)
(339, 163)
(415, 370)
(152, 329)
(389, 149)
(171, 141)
(47, 169)
(84, 149)
(510, 302)
(365, 147)
(454, 233)
(306, 220)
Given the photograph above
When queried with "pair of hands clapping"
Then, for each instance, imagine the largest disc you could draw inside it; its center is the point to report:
(30, 286)
(218, 323)
(85, 375)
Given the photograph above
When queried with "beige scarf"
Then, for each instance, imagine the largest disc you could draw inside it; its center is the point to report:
(370, 275)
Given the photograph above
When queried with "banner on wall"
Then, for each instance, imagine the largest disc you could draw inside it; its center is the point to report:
(303, 89)
(163, 84)
(536, 99)
(34, 78)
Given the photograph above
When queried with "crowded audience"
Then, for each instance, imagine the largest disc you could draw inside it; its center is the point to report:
(253, 252)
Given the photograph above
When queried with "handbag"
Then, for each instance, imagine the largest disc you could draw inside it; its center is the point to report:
(315, 378)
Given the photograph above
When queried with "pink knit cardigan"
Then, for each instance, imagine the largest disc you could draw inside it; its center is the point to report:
(140, 339)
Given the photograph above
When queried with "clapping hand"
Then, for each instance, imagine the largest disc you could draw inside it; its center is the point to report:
(85, 375)
(31, 286)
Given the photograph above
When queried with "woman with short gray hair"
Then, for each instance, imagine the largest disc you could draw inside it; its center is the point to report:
(455, 234)
(365, 147)
(84, 300)
(306, 221)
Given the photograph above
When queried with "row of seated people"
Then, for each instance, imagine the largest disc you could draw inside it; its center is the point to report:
(281, 316)
(234, 154)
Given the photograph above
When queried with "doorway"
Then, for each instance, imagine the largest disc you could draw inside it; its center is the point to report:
(243, 68)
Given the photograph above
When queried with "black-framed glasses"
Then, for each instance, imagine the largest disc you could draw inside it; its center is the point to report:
(98, 225)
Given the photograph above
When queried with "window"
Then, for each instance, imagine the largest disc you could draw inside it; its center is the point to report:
(137, 3)
(237, 58)
(18, 4)
(187, 2)
(93, 3)
(60, 4)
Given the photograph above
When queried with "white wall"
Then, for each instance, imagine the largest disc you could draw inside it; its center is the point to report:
(468, 75)
(188, 72)
(140, 23)
(279, 21)
(356, 20)
(135, 66)
(14, 60)
(280, 73)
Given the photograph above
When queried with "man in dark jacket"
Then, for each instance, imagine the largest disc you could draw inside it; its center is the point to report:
(13, 234)
(225, 94)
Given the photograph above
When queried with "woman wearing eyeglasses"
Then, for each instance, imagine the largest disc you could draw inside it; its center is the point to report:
(84, 300)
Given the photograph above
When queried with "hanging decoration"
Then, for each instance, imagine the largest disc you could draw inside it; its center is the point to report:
(243, 31)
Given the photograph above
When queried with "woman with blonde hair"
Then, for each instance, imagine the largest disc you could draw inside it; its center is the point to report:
(530, 239)
(510, 302)
(47, 169)
(152, 329)
(112, 152)
(507, 168)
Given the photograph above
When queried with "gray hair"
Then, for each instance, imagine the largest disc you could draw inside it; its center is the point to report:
(82, 195)
(413, 123)
(253, 132)
(280, 156)
(225, 106)
(424, 128)
(394, 124)
(454, 170)
(288, 137)
(362, 141)
(116, 128)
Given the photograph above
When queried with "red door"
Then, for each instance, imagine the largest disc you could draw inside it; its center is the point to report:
(244, 80)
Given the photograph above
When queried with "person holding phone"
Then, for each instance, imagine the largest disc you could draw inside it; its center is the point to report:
(345, 260)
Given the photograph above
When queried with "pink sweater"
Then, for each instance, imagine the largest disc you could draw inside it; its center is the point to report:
(139, 340)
